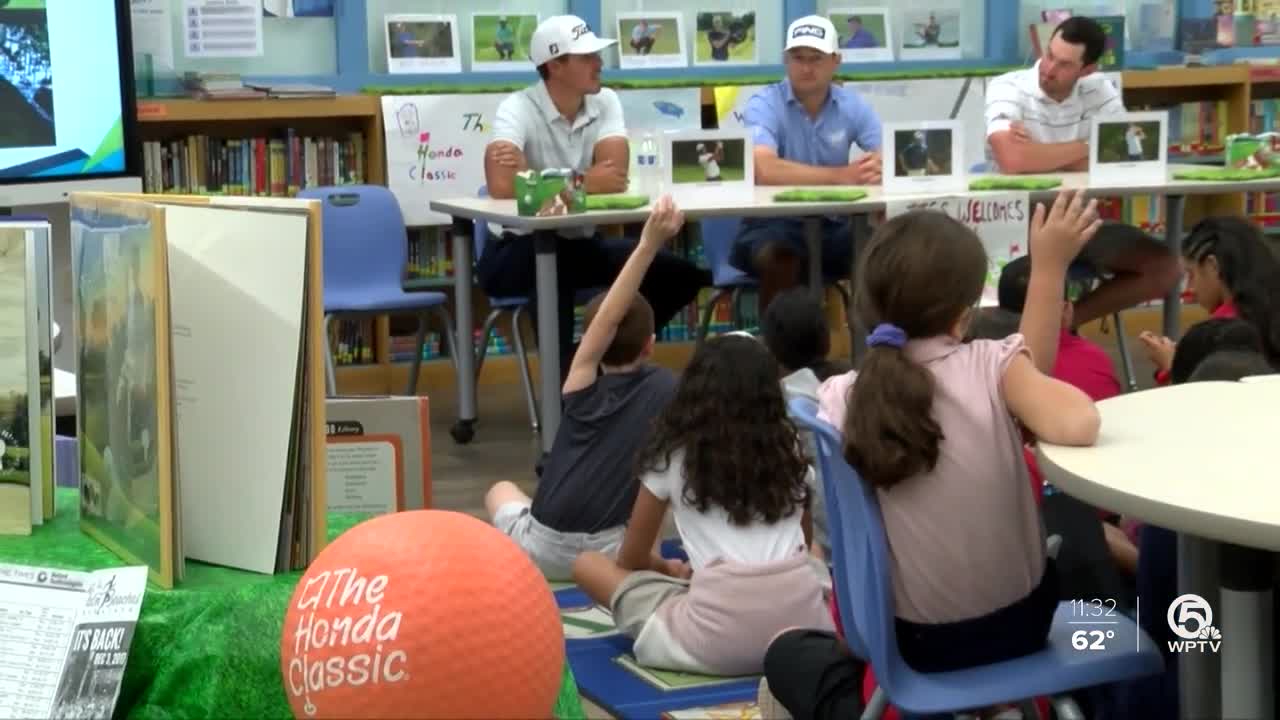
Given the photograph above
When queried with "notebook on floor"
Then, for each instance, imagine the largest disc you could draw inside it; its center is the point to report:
(607, 674)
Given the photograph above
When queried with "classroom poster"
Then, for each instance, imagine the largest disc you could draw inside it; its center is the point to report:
(222, 28)
(435, 149)
(960, 99)
(661, 109)
(1001, 219)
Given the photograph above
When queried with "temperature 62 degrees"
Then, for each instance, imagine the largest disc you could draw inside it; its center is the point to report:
(1091, 639)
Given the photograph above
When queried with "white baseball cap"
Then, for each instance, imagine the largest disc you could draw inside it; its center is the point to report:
(813, 31)
(564, 35)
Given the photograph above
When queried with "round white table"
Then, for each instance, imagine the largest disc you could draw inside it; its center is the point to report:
(1196, 458)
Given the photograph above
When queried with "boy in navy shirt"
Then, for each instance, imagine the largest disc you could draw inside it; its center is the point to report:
(610, 398)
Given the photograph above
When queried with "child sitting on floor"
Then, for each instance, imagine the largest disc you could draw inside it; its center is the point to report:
(727, 461)
(932, 423)
(611, 396)
(1232, 273)
(795, 330)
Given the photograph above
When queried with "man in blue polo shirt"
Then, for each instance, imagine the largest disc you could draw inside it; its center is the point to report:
(803, 129)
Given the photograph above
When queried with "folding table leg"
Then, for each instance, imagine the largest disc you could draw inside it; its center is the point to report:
(1172, 315)
(464, 347)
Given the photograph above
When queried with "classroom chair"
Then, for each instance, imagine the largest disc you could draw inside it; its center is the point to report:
(862, 564)
(718, 235)
(366, 248)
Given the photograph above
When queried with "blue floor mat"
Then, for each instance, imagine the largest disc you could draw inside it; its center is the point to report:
(625, 695)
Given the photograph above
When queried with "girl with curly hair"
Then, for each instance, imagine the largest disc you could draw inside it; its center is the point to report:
(727, 460)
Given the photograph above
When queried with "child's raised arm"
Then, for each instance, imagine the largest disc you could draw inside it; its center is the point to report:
(663, 223)
(1057, 236)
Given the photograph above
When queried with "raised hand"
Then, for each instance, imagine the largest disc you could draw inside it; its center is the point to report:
(665, 220)
(1059, 233)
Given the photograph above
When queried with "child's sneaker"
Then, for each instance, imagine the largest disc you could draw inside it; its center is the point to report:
(770, 708)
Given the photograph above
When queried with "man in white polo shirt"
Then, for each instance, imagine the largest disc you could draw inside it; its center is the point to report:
(567, 120)
(1038, 121)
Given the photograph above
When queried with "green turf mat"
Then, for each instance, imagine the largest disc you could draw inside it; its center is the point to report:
(1007, 182)
(683, 81)
(1225, 174)
(616, 202)
(820, 195)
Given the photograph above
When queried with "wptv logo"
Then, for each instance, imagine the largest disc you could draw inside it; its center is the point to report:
(1191, 619)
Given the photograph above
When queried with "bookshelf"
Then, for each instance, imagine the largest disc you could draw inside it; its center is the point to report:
(1224, 90)
(185, 129)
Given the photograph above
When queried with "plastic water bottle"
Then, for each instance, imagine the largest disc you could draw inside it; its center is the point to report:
(648, 174)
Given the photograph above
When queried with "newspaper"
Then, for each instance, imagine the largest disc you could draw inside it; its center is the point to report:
(64, 639)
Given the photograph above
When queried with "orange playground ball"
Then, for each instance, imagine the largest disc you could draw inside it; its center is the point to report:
(422, 614)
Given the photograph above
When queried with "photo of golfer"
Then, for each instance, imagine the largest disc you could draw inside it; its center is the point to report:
(931, 34)
(651, 40)
(725, 38)
(862, 34)
(422, 43)
(1128, 142)
(500, 41)
(707, 161)
(921, 153)
(643, 36)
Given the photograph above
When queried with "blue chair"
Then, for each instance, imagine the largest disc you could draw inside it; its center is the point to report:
(717, 245)
(365, 251)
(718, 235)
(864, 586)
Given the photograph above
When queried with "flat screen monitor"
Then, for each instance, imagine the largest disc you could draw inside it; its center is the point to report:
(67, 113)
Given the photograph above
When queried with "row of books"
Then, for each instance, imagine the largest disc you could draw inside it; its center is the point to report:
(257, 166)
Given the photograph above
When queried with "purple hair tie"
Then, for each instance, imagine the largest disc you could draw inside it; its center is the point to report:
(887, 334)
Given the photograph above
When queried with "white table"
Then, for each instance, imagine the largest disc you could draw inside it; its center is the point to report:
(1196, 458)
(503, 212)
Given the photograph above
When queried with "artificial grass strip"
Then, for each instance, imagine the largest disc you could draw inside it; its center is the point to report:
(616, 202)
(623, 83)
(820, 195)
(1226, 174)
(1011, 182)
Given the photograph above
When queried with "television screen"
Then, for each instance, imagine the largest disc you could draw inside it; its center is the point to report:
(66, 91)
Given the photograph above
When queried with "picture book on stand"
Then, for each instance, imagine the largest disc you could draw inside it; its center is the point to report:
(26, 381)
(194, 447)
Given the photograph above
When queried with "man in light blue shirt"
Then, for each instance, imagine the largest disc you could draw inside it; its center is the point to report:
(804, 129)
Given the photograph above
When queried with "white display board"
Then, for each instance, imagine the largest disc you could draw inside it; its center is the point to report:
(1001, 219)
(435, 143)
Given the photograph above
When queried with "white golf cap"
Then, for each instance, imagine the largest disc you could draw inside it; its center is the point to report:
(564, 35)
(813, 31)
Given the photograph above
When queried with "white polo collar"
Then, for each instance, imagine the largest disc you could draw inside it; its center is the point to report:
(542, 99)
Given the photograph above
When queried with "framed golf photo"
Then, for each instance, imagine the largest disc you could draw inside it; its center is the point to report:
(422, 44)
(931, 34)
(923, 157)
(651, 39)
(500, 41)
(863, 34)
(725, 37)
(1129, 148)
(713, 165)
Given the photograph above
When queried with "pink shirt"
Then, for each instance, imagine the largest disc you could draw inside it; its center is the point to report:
(965, 537)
